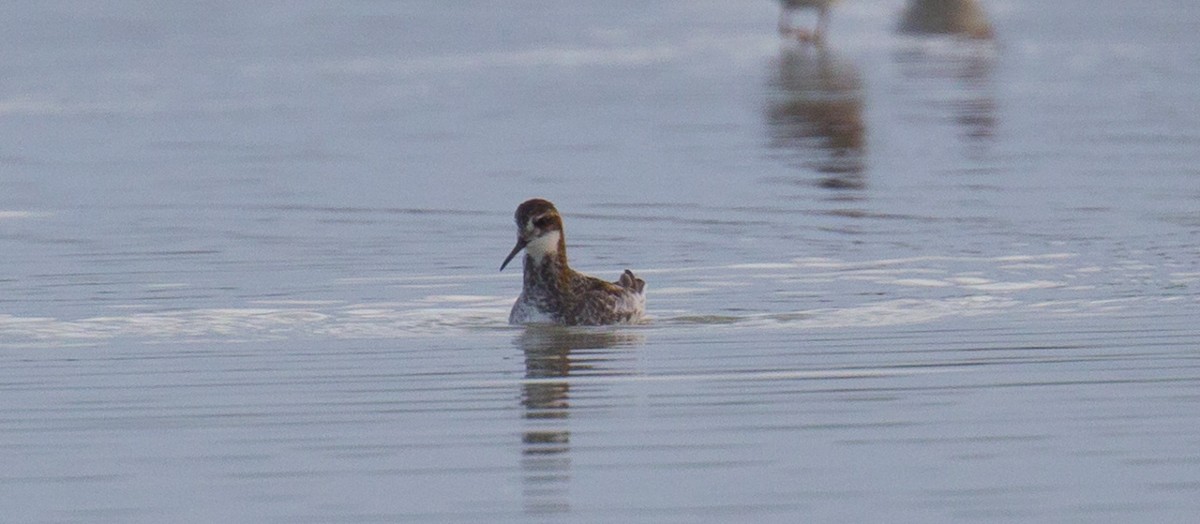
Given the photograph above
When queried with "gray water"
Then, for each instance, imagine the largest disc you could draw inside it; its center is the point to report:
(250, 256)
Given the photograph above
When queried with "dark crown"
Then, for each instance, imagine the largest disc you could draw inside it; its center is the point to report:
(531, 208)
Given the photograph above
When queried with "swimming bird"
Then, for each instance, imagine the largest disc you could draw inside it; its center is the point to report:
(555, 293)
(956, 17)
(785, 19)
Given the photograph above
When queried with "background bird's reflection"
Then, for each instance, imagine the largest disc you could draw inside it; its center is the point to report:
(554, 353)
(952, 82)
(814, 115)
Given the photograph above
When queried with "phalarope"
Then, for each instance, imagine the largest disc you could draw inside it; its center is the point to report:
(785, 19)
(956, 17)
(555, 293)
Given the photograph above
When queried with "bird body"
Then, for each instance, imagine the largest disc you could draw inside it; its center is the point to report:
(807, 3)
(554, 293)
(958, 17)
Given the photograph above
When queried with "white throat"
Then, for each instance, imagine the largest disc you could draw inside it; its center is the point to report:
(546, 244)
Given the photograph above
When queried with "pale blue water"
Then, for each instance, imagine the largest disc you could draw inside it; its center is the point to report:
(251, 251)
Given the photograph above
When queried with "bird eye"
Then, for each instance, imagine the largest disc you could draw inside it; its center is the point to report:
(543, 222)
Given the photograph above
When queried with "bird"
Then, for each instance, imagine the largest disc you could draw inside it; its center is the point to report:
(955, 17)
(785, 19)
(554, 293)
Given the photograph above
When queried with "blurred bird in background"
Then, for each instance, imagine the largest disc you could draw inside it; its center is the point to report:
(955, 17)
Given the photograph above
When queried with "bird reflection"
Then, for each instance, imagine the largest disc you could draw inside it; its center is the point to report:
(958, 17)
(954, 85)
(815, 115)
(553, 352)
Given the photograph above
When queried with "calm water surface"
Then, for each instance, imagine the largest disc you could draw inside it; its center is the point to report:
(251, 251)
